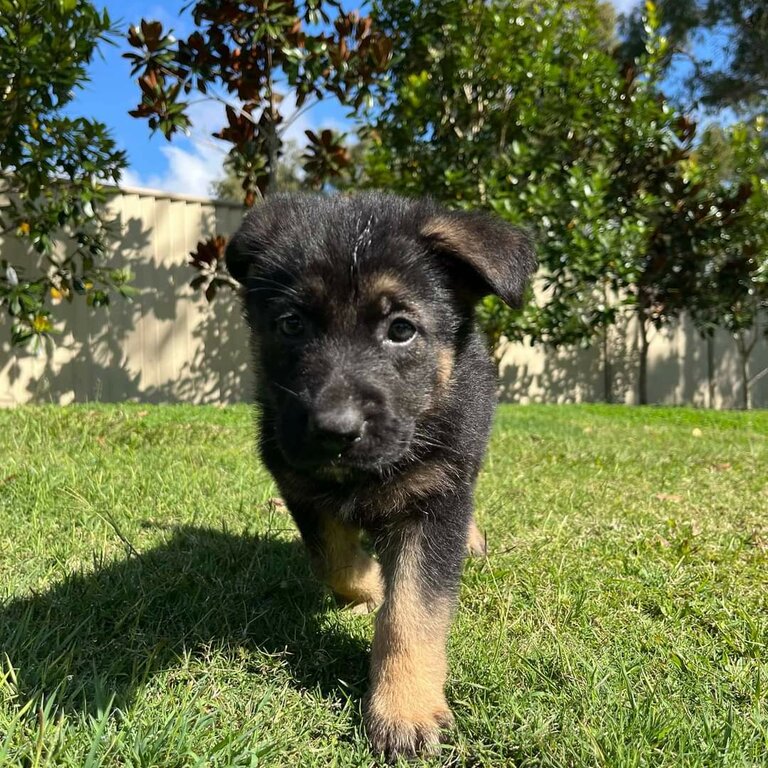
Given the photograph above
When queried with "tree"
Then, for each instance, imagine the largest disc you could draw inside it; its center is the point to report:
(53, 168)
(299, 170)
(249, 56)
(526, 111)
(732, 291)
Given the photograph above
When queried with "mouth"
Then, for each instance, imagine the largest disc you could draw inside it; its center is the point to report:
(371, 453)
(335, 472)
(346, 465)
(349, 468)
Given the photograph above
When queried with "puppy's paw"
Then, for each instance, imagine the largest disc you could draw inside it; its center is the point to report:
(394, 735)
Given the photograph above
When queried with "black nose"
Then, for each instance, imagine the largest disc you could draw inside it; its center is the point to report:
(336, 428)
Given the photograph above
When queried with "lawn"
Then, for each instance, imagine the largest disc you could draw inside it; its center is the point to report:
(156, 608)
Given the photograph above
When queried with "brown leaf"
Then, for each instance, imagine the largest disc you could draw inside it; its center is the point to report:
(152, 31)
(148, 83)
(134, 38)
(208, 252)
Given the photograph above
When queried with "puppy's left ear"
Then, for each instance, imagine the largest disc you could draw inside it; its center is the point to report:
(500, 257)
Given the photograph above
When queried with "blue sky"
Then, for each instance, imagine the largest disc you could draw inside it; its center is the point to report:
(187, 164)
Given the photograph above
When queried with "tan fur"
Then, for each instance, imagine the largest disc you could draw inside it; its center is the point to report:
(315, 287)
(353, 575)
(420, 482)
(457, 239)
(448, 231)
(445, 362)
(385, 284)
(476, 544)
(407, 702)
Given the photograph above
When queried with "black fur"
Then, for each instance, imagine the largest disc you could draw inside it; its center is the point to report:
(357, 424)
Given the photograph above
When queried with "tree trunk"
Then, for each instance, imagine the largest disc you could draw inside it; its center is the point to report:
(606, 350)
(642, 378)
(711, 368)
(607, 371)
(744, 351)
(273, 140)
(273, 147)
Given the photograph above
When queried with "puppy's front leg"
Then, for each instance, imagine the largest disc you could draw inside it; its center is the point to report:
(406, 707)
(339, 560)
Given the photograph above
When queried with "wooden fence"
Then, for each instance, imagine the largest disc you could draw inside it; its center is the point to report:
(170, 345)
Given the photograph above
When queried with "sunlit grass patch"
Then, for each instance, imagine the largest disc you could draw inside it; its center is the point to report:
(157, 607)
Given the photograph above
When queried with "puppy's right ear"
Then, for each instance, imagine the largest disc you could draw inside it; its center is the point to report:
(500, 258)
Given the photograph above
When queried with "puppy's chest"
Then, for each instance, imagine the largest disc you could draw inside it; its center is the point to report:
(371, 502)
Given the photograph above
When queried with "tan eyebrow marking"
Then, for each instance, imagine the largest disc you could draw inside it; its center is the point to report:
(385, 291)
(385, 283)
(315, 287)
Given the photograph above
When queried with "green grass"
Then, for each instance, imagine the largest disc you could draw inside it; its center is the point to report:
(157, 610)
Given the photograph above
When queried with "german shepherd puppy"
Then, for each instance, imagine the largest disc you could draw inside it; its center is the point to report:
(376, 394)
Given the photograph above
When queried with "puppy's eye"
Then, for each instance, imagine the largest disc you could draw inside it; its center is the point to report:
(290, 325)
(401, 330)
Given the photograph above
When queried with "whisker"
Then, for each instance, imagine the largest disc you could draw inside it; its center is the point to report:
(286, 293)
(277, 283)
(289, 391)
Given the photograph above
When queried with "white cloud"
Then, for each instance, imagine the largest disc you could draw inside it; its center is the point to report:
(129, 178)
(190, 172)
(194, 163)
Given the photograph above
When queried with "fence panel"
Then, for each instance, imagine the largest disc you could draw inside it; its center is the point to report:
(168, 345)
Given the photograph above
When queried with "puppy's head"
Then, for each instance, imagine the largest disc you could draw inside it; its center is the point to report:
(357, 308)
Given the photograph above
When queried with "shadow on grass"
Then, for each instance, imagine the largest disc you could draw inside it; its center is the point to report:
(110, 630)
